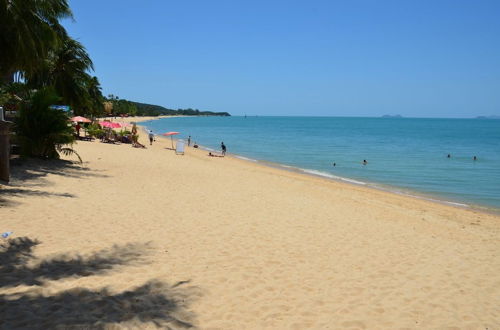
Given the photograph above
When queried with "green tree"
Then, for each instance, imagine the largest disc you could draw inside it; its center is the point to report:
(65, 68)
(95, 100)
(43, 131)
(29, 29)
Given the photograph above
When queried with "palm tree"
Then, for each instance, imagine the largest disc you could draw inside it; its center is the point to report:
(65, 68)
(29, 29)
(42, 130)
(95, 100)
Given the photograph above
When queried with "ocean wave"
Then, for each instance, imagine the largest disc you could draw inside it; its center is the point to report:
(245, 158)
(331, 176)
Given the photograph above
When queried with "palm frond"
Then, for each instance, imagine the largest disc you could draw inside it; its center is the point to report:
(66, 151)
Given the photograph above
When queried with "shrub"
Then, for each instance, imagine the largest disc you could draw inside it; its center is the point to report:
(43, 131)
(94, 130)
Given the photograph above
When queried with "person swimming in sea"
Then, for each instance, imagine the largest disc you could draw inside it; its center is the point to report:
(365, 162)
(449, 156)
(475, 158)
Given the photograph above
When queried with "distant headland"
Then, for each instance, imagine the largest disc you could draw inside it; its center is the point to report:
(113, 105)
(144, 109)
(392, 116)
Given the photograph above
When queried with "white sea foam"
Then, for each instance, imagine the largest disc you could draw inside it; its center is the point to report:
(245, 158)
(318, 173)
(353, 181)
(331, 176)
(407, 193)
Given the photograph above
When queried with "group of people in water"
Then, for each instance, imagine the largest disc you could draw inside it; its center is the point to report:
(365, 162)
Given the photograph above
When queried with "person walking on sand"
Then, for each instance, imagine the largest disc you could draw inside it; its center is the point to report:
(223, 147)
(151, 137)
(77, 128)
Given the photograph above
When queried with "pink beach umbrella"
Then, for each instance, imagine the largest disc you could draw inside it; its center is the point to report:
(171, 138)
(106, 124)
(109, 124)
(80, 119)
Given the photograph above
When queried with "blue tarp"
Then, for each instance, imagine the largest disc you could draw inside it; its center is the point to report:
(61, 107)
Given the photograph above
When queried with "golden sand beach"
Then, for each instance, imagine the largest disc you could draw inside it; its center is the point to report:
(145, 238)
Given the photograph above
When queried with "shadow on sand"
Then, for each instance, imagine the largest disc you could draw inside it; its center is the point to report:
(29, 173)
(16, 254)
(32, 169)
(163, 305)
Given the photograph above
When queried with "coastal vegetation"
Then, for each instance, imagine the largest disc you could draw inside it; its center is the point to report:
(43, 130)
(156, 110)
(42, 66)
(131, 108)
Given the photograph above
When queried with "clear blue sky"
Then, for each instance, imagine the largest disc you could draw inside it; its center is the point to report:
(418, 58)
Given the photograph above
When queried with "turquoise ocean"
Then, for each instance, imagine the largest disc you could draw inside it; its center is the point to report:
(404, 155)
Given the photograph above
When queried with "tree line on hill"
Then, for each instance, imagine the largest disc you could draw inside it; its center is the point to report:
(125, 107)
(144, 109)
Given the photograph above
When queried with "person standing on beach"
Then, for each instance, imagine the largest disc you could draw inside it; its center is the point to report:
(135, 137)
(151, 137)
(189, 140)
(77, 128)
(223, 147)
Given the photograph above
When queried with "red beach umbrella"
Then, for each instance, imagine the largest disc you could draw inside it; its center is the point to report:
(80, 119)
(171, 138)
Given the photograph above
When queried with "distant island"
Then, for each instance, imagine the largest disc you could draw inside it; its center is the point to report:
(488, 117)
(392, 116)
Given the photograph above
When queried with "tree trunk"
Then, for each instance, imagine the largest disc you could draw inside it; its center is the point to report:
(7, 78)
(4, 151)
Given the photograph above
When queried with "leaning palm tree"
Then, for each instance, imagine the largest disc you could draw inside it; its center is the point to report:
(29, 29)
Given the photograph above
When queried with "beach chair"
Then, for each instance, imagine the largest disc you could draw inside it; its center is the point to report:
(179, 147)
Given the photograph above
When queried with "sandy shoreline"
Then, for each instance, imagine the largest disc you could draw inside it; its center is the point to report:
(394, 190)
(138, 237)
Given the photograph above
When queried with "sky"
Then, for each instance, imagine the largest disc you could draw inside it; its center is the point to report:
(416, 58)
